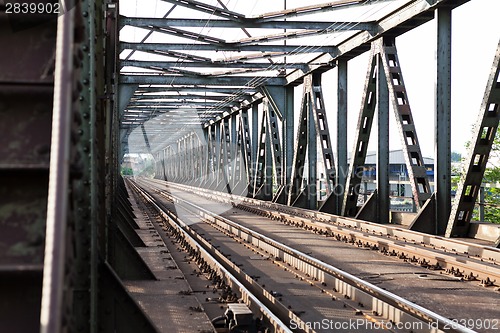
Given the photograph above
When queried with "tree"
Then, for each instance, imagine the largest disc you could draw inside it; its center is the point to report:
(492, 176)
(456, 157)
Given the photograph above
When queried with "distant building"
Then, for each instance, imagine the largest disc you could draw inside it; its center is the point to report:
(398, 173)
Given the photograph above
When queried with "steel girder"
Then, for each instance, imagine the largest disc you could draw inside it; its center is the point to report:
(362, 135)
(245, 142)
(176, 75)
(249, 81)
(238, 47)
(260, 162)
(147, 22)
(212, 10)
(273, 137)
(313, 125)
(342, 166)
(442, 121)
(412, 14)
(404, 120)
(323, 133)
(300, 150)
(477, 159)
(384, 54)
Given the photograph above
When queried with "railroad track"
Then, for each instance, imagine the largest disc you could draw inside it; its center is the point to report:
(458, 258)
(372, 301)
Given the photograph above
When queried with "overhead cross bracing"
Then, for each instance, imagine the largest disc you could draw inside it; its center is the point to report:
(200, 45)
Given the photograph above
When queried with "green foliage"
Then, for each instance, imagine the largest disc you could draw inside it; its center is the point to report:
(456, 157)
(127, 171)
(492, 205)
(492, 176)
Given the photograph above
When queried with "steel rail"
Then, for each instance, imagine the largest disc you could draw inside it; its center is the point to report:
(470, 261)
(470, 250)
(208, 255)
(384, 302)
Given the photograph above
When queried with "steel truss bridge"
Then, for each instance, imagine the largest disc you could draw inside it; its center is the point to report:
(210, 93)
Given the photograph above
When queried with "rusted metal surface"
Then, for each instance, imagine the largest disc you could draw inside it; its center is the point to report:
(25, 124)
(29, 56)
(23, 208)
(26, 79)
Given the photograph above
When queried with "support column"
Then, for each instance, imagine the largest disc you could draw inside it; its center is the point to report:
(312, 179)
(233, 149)
(218, 171)
(342, 168)
(383, 144)
(226, 154)
(288, 135)
(269, 162)
(442, 135)
(254, 139)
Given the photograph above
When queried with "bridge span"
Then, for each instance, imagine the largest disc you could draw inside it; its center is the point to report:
(199, 166)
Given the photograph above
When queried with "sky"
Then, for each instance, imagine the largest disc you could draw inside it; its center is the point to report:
(475, 36)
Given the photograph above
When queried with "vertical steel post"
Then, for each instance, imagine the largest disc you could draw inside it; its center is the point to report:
(246, 146)
(218, 171)
(269, 169)
(288, 139)
(312, 193)
(300, 148)
(342, 168)
(254, 140)
(442, 135)
(177, 157)
(226, 166)
(234, 148)
(383, 143)
(194, 158)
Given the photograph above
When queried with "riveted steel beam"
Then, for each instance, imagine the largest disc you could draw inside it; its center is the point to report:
(299, 158)
(236, 46)
(184, 97)
(417, 172)
(307, 10)
(205, 8)
(208, 64)
(191, 104)
(259, 172)
(145, 22)
(342, 166)
(362, 135)
(384, 90)
(187, 35)
(394, 24)
(243, 91)
(273, 135)
(442, 130)
(249, 81)
(246, 144)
